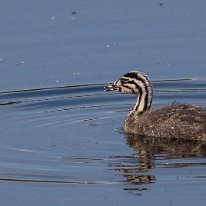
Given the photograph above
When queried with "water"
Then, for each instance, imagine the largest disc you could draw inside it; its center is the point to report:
(71, 138)
(61, 137)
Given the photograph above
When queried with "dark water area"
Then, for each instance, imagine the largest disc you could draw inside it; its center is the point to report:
(61, 137)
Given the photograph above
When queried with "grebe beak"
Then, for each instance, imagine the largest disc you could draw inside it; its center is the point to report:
(111, 87)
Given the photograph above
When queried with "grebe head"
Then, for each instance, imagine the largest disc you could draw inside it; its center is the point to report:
(129, 83)
(135, 82)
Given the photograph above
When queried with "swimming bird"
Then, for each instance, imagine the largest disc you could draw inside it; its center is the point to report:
(176, 120)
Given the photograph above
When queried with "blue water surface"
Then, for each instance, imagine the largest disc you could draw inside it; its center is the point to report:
(61, 139)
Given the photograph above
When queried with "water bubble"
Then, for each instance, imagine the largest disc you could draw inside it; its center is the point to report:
(53, 18)
(1, 60)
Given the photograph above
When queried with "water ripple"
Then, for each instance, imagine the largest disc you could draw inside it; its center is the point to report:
(73, 135)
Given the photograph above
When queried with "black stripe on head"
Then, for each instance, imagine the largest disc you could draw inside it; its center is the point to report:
(131, 75)
(140, 76)
(126, 80)
(138, 87)
(130, 88)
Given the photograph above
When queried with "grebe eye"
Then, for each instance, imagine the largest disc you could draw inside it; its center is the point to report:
(125, 81)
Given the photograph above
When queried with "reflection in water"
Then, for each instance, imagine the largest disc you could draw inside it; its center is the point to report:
(173, 147)
(66, 135)
(137, 169)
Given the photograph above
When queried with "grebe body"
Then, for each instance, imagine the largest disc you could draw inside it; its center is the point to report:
(172, 121)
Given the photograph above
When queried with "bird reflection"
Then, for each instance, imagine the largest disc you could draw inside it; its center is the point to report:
(136, 169)
(172, 147)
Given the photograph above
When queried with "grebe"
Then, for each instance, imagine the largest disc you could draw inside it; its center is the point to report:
(171, 121)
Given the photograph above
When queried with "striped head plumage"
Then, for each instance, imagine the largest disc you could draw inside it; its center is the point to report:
(183, 121)
(135, 82)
